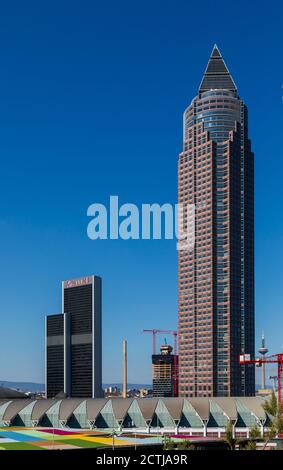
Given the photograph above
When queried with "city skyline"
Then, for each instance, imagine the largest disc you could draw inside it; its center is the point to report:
(77, 102)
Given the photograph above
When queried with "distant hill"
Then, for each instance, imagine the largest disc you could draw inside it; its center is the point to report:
(36, 387)
(129, 385)
(268, 386)
(23, 386)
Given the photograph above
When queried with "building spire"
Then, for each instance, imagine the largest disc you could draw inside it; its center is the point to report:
(217, 75)
(262, 340)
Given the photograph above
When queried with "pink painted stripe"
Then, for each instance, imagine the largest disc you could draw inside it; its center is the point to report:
(59, 432)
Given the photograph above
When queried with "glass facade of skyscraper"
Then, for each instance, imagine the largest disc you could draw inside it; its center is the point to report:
(216, 278)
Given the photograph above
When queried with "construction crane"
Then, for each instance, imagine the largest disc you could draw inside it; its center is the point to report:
(174, 333)
(274, 379)
(274, 359)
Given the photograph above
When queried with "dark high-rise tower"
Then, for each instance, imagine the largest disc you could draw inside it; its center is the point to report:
(55, 354)
(73, 341)
(81, 300)
(216, 277)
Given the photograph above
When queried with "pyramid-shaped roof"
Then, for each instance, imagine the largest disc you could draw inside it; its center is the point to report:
(217, 75)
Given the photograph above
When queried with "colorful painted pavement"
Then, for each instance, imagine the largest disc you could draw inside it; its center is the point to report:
(50, 439)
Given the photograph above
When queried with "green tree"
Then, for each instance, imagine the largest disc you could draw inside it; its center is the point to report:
(270, 406)
(168, 443)
(231, 441)
(254, 433)
(251, 445)
(185, 445)
(275, 412)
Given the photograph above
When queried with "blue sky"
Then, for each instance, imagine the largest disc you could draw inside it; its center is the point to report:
(91, 102)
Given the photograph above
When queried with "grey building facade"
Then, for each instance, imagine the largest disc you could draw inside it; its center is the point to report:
(73, 341)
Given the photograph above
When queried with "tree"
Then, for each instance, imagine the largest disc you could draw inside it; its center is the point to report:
(229, 438)
(254, 433)
(185, 445)
(251, 445)
(270, 406)
(168, 443)
(275, 412)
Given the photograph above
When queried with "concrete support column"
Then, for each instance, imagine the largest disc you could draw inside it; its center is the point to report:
(205, 429)
(124, 368)
(261, 430)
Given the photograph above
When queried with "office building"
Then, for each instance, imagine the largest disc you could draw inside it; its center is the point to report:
(73, 341)
(216, 276)
(55, 352)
